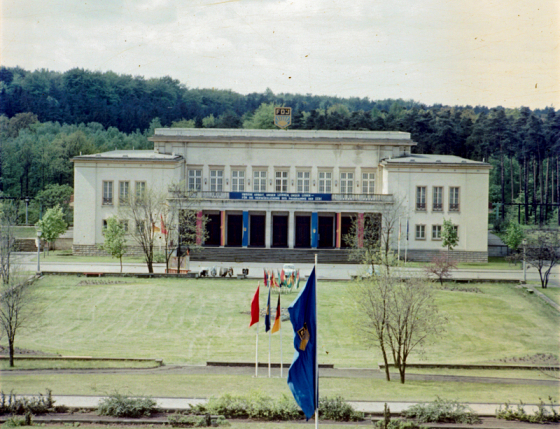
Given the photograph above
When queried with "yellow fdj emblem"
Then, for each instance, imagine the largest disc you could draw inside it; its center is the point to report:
(304, 336)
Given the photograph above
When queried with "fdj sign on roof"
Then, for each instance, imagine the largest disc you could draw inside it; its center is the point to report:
(282, 116)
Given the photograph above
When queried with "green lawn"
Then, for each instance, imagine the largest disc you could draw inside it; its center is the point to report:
(204, 386)
(194, 321)
(66, 256)
(552, 293)
(494, 263)
(233, 425)
(72, 364)
(25, 232)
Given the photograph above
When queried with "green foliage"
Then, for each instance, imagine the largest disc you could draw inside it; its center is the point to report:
(449, 236)
(262, 119)
(259, 406)
(52, 225)
(115, 239)
(56, 195)
(544, 414)
(181, 421)
(37, 405)
(442, 411)
(118, 405)
(183, 123)
(514, 236)
(15, 421)
(159, 258)
(398, 424)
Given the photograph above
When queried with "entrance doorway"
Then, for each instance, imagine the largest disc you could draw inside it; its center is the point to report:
(213, 228)
(257, 230)
(326, 233)
(234, 230)
(345, 225)
(279, 231)
(303, 231)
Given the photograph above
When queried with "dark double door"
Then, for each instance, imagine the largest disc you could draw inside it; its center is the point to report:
(257, 230)
(235, 230)
(279, 231)
(213, 229)
(326, 232)
(303, 231)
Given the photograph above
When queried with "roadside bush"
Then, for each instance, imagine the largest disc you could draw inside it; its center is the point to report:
(37, 405)
(398, 424)
(118, 405)
(13, 422)
(259, 406)
(159, 258)
(442, 411)
(181, 421)
(544, 414)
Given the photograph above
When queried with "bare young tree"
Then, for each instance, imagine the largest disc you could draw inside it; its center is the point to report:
(542, 252)
(397, 316)
(17, 307)
(8, 217)
(441, 267)
(372, 236)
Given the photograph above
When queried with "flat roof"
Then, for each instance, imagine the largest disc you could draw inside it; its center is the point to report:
(219, 134)
(423, 159)
(129, 155)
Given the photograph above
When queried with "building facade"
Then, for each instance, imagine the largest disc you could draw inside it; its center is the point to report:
(293, 189)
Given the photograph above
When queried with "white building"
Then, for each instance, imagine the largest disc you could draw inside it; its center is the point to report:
(293, 189)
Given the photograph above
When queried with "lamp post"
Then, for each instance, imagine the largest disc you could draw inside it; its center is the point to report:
(26, 210)
(39, 233)
(524, 262)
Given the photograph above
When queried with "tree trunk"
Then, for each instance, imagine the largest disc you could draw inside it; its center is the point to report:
(511, 178)
(121, 263)
(150, 266)
(503, 182)
(11, 351)
(385, 360)
(525, 174)
(546, 192)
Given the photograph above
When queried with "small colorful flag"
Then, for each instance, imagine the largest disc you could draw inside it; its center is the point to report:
(276, 326)
(283, 277)
(297, 284)
(265, 278)
(267, 316)
(255, 308)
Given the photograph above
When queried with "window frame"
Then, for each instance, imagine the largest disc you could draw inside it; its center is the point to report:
(282, 180)
(368, 182)
(124, 198)
(107, 201)
(303, 182)
(420, 206)
(195, 178)
(139, 190)
(437, 191)
(452, 206)
(347, 181)
(238, 180)
(260, 179)
(216, 180)
(436, 228)
(420, 227)
(325, 183)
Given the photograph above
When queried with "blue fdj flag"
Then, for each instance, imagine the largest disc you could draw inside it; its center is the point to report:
(303, 378)
(267, 316)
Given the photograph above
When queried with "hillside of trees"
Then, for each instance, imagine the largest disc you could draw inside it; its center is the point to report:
(48, 117)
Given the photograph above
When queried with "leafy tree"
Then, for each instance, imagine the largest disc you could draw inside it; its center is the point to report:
(514, 236)
(8, 217)
(115, 239)
(449, 236)
(56, 195)
(52, 225)
(542, 252)
(262, 118)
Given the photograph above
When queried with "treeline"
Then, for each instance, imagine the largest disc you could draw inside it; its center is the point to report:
(121, 111)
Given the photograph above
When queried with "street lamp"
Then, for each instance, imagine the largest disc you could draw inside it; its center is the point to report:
(524, 262)
(39, 233)
(26, 210)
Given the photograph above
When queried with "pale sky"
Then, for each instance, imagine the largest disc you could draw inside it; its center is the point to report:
(491, 52)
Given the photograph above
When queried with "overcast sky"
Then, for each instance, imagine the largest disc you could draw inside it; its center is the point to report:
(487, 52)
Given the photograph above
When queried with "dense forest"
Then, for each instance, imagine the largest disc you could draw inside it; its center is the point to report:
(48, 117)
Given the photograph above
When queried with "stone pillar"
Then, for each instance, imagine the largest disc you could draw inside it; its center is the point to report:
(268, 230)
(291, 229)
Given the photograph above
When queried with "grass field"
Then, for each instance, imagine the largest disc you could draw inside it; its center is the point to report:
(552, 293)
(494, 263)
(204, 386)
(235, 425)
(66, 256)
(73, 364)
(194, 321)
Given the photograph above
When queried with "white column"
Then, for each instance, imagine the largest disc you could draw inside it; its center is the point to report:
(291, 229)
(268, 230)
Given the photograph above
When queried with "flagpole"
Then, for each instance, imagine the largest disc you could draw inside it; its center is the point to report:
(281, 354)
(316, 352)
(257, 353)
(269, 337)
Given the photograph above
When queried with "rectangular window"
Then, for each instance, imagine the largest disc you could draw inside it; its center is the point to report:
(216, 180)
(420, 232)
(421, 198)
(437, 199)
(368, 183)
(303, 181)
(325, 182)
(436, 232)
(238, 181)
(140, 188)
(107, 193)
(103, 226)
(259, 181)
(123, 192)
(346, 183)
(124, 224)
(195, 180)
(453, 199)
(281, 181)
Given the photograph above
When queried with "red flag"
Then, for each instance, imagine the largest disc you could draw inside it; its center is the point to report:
(282, 277)
(276, 326)
(163, 230)
(255, 311)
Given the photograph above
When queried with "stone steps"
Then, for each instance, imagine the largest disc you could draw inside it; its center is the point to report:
(284, 256)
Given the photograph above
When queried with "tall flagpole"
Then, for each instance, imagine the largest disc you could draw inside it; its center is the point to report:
(316, 352)
(281, 354)
(269, 337)
(257, 353)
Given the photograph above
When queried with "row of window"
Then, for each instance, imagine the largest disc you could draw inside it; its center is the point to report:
(124, 188)
(436, 232)
(302, 182)
(437, 198)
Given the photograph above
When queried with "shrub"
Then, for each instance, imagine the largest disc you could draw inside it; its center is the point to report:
(398, 424)
(337, 409)
(118, 405)
(11, 404)
(13, 422)
(181, 421)
(544, 414)
(442, 411)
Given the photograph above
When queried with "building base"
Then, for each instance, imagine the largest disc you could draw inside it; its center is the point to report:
(455, 255)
